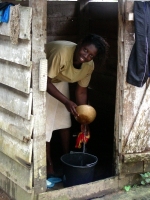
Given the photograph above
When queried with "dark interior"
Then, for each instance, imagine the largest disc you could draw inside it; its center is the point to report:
(102, 19)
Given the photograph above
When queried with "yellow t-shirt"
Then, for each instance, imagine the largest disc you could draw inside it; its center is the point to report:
(60, 64)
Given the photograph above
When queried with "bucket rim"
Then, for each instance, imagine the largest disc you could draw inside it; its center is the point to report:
(77, 166)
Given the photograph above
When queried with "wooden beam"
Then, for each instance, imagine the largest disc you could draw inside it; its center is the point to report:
(131, 168)
(136, 157)
(94, 190)
(39, 24)
(83, 191)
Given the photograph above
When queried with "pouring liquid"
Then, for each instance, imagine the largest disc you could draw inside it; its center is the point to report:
(84, 138)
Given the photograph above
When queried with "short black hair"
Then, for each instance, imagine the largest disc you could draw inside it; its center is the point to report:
(99, 42)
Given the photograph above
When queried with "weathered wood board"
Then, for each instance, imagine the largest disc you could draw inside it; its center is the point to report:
(15, 101)
(15, 76)
(132, 99)
(140, 132)
(132, 96)
(58, 9)
(129, 158)
(24, 25)
(17, 150)
(14, 190)
(39, 98)
(83, 191)
(146, 166)
(62, 22)
(15, 125)
(134, 137)
(132, 168)
(20, 53)
(17, 173)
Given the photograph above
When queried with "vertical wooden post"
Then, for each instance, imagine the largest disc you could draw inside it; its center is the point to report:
(83, 19)
(39, 16)
(119, 91)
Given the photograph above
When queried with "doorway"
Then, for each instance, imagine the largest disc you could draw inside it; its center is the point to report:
(102, 20)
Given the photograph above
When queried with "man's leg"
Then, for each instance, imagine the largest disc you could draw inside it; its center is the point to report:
(65, 137)
(50, 169)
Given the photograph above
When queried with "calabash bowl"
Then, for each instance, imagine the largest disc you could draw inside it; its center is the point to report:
(86, 114)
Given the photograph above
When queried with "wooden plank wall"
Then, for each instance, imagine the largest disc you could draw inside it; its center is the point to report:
(62, 20)
(119, 88)
(132, 105)
(132, 95)
(136, 101)
(16, 118)
(39, 9)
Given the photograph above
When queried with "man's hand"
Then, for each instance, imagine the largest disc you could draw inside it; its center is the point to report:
(71, 107)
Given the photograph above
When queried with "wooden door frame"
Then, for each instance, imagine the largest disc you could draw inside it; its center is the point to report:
(39, 23)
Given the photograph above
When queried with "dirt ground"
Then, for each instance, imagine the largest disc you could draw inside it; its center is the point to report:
(138, 193)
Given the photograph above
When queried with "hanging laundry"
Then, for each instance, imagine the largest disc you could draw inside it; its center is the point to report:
(5, 16)
(5, 11)
(139, 61)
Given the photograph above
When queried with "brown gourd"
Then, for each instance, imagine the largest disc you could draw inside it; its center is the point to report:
(86, 114)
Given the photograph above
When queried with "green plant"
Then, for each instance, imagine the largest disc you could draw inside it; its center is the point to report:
(145, 178)
(127, 188)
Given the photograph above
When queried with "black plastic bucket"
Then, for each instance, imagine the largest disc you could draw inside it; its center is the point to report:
(78, 168)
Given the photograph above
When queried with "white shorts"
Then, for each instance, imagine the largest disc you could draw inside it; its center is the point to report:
(57, 116)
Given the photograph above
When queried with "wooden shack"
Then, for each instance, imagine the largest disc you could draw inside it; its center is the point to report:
(120, 135)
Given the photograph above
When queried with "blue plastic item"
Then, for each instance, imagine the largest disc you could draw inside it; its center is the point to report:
(49, 184)
(51, 181)
(1, 13)
(5, 15)
(54, 180)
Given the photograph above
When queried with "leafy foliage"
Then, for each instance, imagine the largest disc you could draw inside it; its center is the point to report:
(145, 178)
(127, 188)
